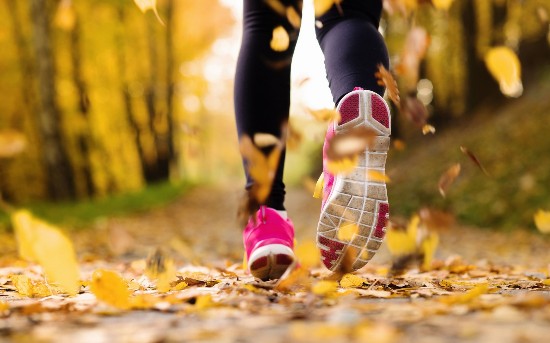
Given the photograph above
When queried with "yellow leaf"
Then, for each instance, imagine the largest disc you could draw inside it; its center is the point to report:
(180, 286)
(30, 288)
(322, 6)
(428, 248)
(318, 192)
(448, 178)
(346, 232)
(204, 302)
(467, 297)
(427, 128)
(280, 39)
(44, 243)
(145, 5)
(504, 65)
(442, 4)
(342, 166)
(352, 281)
(325, 115)
(546, 282)
(162, 268)
(293, 17)
(377, 176)
(542, 221)
(109, 287)
(298, 278)
(308, 254)
(325, 288)
(4, 306)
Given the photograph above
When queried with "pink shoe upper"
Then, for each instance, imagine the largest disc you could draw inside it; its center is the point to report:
(269, 228)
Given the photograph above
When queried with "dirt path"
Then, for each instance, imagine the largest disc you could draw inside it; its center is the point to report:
(496, 292)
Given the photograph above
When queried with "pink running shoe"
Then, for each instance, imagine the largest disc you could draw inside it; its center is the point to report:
(269, 244)
(353, 198)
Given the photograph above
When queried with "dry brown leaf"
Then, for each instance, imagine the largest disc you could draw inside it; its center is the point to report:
(448, 178)
(350, 143)
(386, 79)
(414, 110)
(474, 159)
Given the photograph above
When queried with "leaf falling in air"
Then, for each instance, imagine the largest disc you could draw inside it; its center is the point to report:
(386, 79)
(293, 17)
(413, 244)
(448, 178)
(322, 6)
(542, 221)
(474, 159)
(428, 129)
(44, 243)
(12, 143)
(264, 140)
(308, 254)
(276, 6)
(442, 4)
(378, 176)
(294, 137)
(414, 110)
(347, 231)
(280, 40)
(109, 287)
(261, 168)
(504, 65)
(350, 143)
(145, 5)
(161, 267)
(416, 46)
(325, 115)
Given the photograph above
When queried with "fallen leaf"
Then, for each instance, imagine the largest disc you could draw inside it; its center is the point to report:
(352, 281)
(325, 288)
(542, 221)
(109, 287)
(448, 178)
(280, 40)
(467, 297)
(30, 288)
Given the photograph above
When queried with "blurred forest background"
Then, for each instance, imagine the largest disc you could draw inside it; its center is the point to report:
(100, 99)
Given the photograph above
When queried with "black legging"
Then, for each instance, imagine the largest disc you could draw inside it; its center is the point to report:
(352, 47)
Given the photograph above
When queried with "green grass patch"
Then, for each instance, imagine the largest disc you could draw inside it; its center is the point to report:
(513, 144)
(82, 213)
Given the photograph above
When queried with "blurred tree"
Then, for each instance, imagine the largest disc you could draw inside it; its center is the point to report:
(60, 179)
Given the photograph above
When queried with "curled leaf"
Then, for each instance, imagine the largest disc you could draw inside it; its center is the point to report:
(386, 79)
(448, 178)
(428, 129)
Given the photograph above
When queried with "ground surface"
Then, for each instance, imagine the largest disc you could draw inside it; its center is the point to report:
(486, 287)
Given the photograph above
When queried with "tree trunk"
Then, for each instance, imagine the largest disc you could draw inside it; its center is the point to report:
(55, 158)
(83, 139)
(170, 156)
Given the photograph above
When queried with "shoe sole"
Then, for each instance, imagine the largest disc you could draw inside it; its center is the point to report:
(270, 261)
(354, 198)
